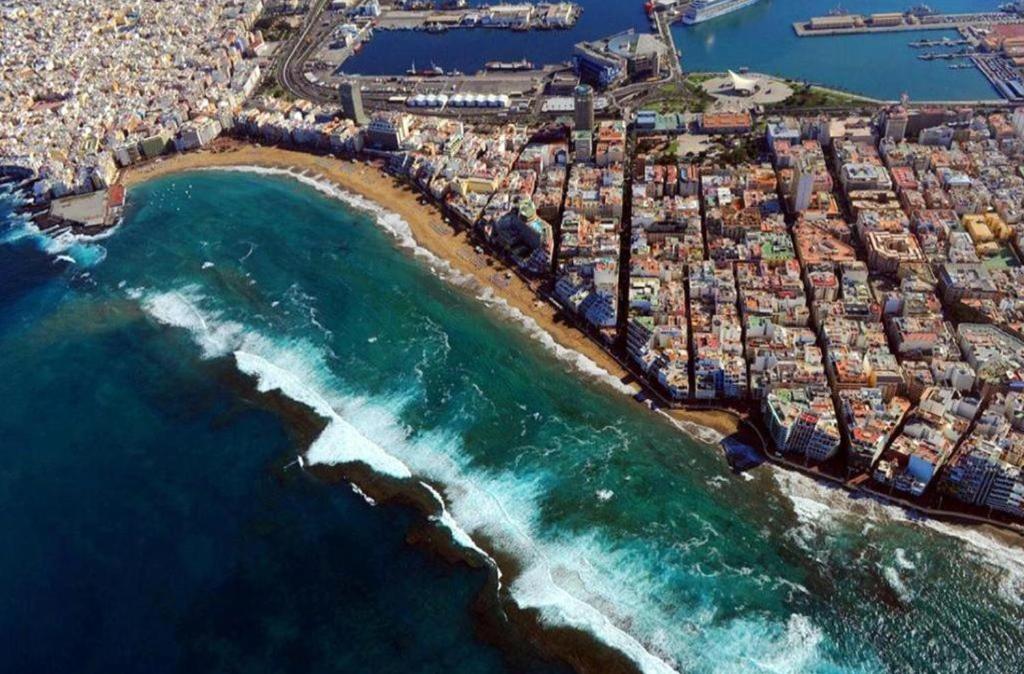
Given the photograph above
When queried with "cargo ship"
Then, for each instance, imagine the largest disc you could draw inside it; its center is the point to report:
(705, 10)
(509, 65)
(432, 71)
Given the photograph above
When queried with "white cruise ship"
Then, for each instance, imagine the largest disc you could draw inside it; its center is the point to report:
(705, 10)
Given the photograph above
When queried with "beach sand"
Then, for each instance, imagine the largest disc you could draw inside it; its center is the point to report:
(429, 230)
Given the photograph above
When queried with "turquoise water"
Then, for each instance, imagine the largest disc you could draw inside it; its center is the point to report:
(163, 524)
(881, 65)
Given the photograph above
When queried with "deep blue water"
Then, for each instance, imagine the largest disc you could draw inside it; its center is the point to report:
(157, 519)
(760, 37)
(880, 65)
(392, 52)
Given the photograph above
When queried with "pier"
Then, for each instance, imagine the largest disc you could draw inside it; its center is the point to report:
(521, 17)
(855, 24)
(1006, 79)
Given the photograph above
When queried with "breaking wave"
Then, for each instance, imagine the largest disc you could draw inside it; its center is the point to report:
(296, 370)
(819, 509)
(400, 229)
(79, 249)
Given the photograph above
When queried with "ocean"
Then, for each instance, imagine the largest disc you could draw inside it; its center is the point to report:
(158, 517)
(759, 37)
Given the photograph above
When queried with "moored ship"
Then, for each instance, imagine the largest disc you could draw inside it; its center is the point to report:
(509, 65)
(705, 10)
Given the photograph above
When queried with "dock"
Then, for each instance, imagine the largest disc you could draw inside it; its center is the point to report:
(518, 17)
(89, 212)
(1006, 80)
(856, 24)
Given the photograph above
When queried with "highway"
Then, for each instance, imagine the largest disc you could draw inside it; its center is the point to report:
(289, 69)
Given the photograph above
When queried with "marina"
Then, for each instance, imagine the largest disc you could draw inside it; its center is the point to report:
(876, 64)
(988, 39)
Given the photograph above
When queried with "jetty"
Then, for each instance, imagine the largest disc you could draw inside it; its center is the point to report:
(90, 212)
(894, 22)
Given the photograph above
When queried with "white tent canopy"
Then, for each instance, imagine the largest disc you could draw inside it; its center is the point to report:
(744, 85)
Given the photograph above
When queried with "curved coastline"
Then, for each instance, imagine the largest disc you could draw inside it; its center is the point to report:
(501, 619)
(425, 222)
(422, 228)
(366, 186)
(580, 635)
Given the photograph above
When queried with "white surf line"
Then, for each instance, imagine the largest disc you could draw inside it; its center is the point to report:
(399, 228)
(341, 442)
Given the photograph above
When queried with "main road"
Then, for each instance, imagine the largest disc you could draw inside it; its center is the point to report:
(289, 68)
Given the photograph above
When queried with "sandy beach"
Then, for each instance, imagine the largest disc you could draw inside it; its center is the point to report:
(430, 231)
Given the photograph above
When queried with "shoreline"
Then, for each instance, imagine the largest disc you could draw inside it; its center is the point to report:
(427, 223)
(495, 282)
(501, 619)
(429, 229)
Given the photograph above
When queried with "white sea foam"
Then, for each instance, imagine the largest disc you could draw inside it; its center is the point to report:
(536, 588)
(178, 309)
(400, 229)
(1007, 559)
(903, 561)
(79, 248)
(340, 442)
(447, 522)
(824, 505)
(582, 363)
(355, 488)
(296, 371)
(820, 508)
(892, 577)
(703, 433)
(796, 651)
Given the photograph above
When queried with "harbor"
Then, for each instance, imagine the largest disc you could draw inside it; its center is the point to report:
(993, 42)
(892, 22)
(876, 64)
(519, 17)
